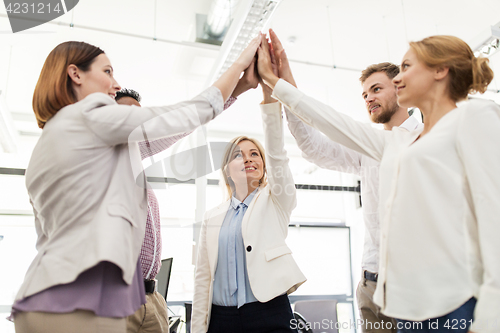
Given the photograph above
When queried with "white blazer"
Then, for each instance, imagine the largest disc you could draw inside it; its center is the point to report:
(271, 268)
(87, 188)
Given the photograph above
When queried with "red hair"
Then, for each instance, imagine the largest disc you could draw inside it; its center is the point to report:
(53, 90)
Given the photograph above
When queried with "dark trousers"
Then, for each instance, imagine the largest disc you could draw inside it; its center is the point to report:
(457, 321)
(274, 316)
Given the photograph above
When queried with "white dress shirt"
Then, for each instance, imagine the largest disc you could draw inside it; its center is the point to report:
(439, 207)
(327, 154)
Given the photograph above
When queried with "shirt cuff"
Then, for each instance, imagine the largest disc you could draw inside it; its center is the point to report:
(229, 102)
(214, 97)
(271, 107)
(287, 93)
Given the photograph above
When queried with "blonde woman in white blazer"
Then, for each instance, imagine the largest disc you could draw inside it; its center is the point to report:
(88, 191)
(258, 301)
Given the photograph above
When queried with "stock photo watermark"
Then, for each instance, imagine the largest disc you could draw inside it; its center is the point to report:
(26, 14)
(328, 324)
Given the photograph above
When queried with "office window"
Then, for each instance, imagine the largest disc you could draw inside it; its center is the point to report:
(322, 253)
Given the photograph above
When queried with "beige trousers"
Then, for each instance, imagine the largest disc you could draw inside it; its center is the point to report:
(79, 321)
(373, 320)
(151, 317)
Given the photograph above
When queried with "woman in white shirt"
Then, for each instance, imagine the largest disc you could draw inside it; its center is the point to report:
(244, 269)
(439, 187)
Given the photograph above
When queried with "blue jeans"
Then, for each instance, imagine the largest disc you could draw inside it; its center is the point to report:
(457, 321)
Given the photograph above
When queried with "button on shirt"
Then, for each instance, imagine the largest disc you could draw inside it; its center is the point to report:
(231, 285)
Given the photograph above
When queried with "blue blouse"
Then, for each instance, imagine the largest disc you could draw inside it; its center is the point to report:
(231, 285)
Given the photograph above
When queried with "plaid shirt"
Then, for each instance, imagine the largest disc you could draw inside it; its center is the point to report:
(151, 246)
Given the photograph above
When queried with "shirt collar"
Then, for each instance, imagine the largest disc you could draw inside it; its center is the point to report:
(235, 202)
(410, 124)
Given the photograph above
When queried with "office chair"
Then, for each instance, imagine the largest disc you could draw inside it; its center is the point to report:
(316, 311)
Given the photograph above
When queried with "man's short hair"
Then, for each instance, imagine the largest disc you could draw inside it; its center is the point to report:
(388, 68)
(128, 93)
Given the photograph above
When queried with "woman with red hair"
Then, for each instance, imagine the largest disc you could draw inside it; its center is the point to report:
(88, 190)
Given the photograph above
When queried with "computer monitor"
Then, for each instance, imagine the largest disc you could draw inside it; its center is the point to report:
(189, 308)
(163, 276)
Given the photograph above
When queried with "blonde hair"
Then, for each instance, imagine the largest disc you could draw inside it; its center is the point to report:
(468, 73)
(231, 147)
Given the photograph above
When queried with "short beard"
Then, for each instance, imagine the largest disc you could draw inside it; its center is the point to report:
(386, 115)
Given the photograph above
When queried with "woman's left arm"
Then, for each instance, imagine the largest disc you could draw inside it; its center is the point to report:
(478, 139)
(279, 176)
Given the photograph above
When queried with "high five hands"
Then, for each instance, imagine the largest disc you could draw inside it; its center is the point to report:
(270, 65)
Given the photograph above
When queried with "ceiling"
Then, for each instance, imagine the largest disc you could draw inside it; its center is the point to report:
(328, 42)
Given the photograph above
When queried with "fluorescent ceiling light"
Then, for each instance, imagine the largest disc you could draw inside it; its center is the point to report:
(488, 42)
(219, 17)
(251, 17)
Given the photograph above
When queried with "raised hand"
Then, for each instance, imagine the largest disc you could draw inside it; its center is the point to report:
(248, 54)
(249, 80)
(274, 62)
(284, 70)
(266, 90)
(264, 64)
(227, 82)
